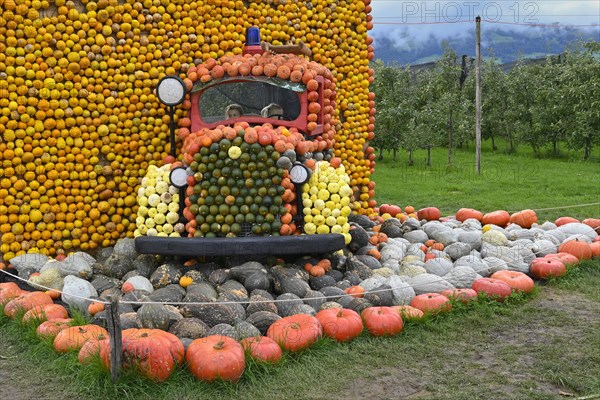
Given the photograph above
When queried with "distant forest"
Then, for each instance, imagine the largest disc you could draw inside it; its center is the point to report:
(507, 45)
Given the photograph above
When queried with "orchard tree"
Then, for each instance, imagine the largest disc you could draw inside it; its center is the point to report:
(522, 84)
(550, 113)
(392, 89)
(536, 103)
(444, 97)
(494, 101)
(581, 92)
(427, 121)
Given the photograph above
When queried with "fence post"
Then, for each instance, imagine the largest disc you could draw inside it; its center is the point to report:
(115, 338)
(478, 95)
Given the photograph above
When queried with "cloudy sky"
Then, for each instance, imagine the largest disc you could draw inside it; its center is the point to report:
(418, 19)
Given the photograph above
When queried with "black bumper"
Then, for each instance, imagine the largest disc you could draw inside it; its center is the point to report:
(246, 246)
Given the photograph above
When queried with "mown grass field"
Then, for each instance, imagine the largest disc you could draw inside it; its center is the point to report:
(507, 182)
(545, 346)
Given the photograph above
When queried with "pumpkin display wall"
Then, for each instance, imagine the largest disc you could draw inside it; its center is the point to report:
(80, 122)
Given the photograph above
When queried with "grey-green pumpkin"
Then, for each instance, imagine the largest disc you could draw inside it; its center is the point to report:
(154, 316)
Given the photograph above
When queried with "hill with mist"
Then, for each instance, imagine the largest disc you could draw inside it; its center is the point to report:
(504, 44)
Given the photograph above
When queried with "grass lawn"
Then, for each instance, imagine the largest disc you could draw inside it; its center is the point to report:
(533, 347)
(536, 347)
(507, 182)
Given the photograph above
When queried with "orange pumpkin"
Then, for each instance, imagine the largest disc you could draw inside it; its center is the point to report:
(279, 146)
(566, 258)
(54, 294)
(251, 136)
(25, 303)
(127, 287)
(91, 349)
(74, 337)
(153, 353)
(409, 313)
(341, 325)
(431, 303)
(543, 268)
(578, 248)
(466, 213)
(464, 295)
(49, 329)
(45, 312)
(295, 332)
(355, 291)
(374, 253)
(525, 219)
(262, 348)
(216, 357)
(265, 138)
(499, 217)
(382, 321)
(325, 264)
(10, 291)
(593, 223)
(95, 307)
(429, 214)
(565, 220)
(518, 281)
(437, 246)
(595, 247)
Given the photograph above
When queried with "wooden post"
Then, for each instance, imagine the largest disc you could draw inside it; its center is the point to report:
(115, 338)
(478, 95)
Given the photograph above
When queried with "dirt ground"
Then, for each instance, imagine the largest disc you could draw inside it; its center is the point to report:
(503, 364)
(503, 361)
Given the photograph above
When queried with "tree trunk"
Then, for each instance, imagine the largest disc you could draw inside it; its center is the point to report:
(494, 144)
(380, 158)
(555, 147)
(410, 158)
(587, 148)
(429, 155)
(464, 72)
(450, 139)
(395, 153)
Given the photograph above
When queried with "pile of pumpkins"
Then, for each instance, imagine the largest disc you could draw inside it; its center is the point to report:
(158, 205)
(213, 316)
(81, 123)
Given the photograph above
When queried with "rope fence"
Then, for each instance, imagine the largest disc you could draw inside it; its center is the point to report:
(203, 303)
(113, 319)
(563, 207)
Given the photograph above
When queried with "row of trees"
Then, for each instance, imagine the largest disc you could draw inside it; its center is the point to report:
(536, 104)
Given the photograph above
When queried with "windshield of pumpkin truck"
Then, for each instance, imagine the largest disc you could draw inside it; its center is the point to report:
(252, 95)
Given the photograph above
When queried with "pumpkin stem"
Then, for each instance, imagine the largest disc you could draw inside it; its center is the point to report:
(145, 334)
(219, 345)
(82, 330)
(340, 313)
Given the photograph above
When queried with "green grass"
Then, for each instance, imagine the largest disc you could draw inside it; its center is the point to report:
(508, 182)
(529, 347)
